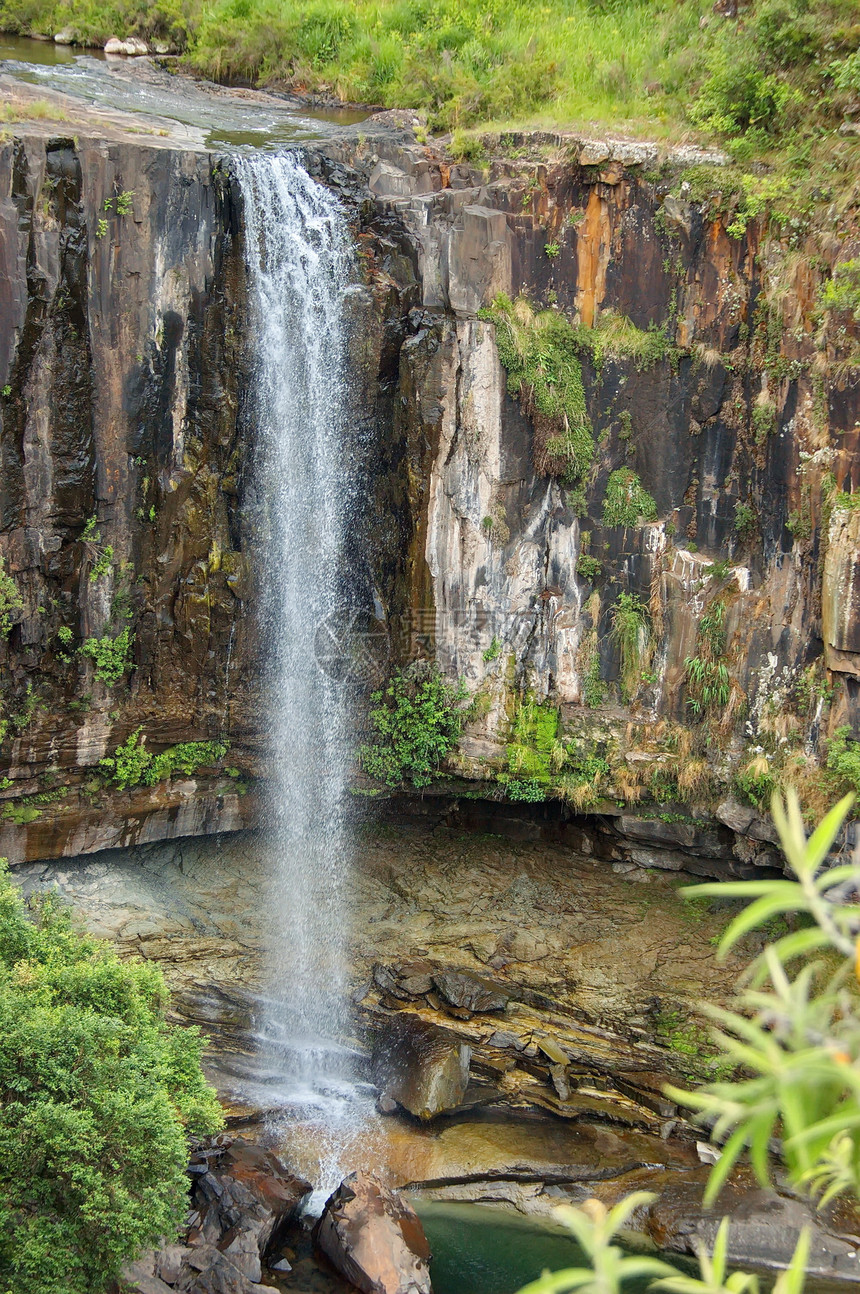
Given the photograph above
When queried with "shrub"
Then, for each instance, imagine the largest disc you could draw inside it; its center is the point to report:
(185, 758)
(97, 1095)
(529, 791)
(110, 655)
(129, 762)
(588, 567)
(707, 673)
(418, 719)
(756, 782)
(746, 521)
(627, 502)
(10, 601)
(842, 291)
(132, 764)
(492, 652)
(102, 565)
(843, 758)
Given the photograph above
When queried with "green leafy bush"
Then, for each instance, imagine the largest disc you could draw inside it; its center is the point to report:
(843, 758)
(132, 764)
(110, 655)
(185, 758)
(588, 567)
(539, 352)
(627, 502)
(746, 521)
(102, 565)
(842, 291)
(528, 791)
(10, 601)
(418, 719)
(97, 1096)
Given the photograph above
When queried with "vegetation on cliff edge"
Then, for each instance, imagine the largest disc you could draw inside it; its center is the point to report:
(417, 721)
(780, 77)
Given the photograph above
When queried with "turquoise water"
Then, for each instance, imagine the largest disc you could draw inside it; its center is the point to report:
(482, 1250)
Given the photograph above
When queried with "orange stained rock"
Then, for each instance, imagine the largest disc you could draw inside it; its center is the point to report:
(592, 257)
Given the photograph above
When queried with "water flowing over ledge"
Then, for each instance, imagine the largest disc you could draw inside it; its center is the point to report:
(300, 264)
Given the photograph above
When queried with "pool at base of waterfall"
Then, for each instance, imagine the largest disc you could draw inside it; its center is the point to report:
(479, 1249)
(487, 1249)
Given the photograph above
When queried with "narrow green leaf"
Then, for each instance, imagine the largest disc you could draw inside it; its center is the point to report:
(792, 1280)
(769, 905)
(818, 844)
(722, 1168)
(719, 1254)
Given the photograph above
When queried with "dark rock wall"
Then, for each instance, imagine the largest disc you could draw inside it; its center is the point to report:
(122, 365)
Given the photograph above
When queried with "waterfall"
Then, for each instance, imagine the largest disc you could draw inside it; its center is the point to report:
(300, 265)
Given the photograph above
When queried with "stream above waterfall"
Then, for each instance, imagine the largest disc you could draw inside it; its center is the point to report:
(215, 117)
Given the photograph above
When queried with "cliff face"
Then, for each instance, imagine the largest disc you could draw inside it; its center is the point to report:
(121, 365)
(715, 382)
(124, 363)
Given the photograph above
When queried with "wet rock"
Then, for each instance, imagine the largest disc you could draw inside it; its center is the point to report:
(242, 1199)
(209, 1271)
(471, 992)
(423, 1068)
(764, 1227)
(374, 1239)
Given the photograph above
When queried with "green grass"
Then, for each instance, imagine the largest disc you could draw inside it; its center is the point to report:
(773, 86)
(464, 61)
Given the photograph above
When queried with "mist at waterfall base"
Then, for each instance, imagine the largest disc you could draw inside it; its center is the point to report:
(300, 266)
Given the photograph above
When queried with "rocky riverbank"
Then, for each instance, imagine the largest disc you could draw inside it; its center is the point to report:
(565, 989)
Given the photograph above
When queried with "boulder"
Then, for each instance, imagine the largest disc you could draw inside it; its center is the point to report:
(374, 1239)
(763, 1231)
(131, 47)
(423, 1068)
(471, 992)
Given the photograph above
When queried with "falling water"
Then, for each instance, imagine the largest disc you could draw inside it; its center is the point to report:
(300, 264)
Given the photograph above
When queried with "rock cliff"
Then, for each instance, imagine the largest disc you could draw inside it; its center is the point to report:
(723, 405)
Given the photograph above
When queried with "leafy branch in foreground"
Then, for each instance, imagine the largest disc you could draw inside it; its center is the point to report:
(595, 1227)
(795, 1040)
(799, 1037)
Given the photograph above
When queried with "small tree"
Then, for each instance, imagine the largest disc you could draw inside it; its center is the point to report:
(97, 1095)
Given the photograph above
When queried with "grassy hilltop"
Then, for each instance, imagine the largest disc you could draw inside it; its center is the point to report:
(779, 82)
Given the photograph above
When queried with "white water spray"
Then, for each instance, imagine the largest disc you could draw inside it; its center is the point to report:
(300, 265)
